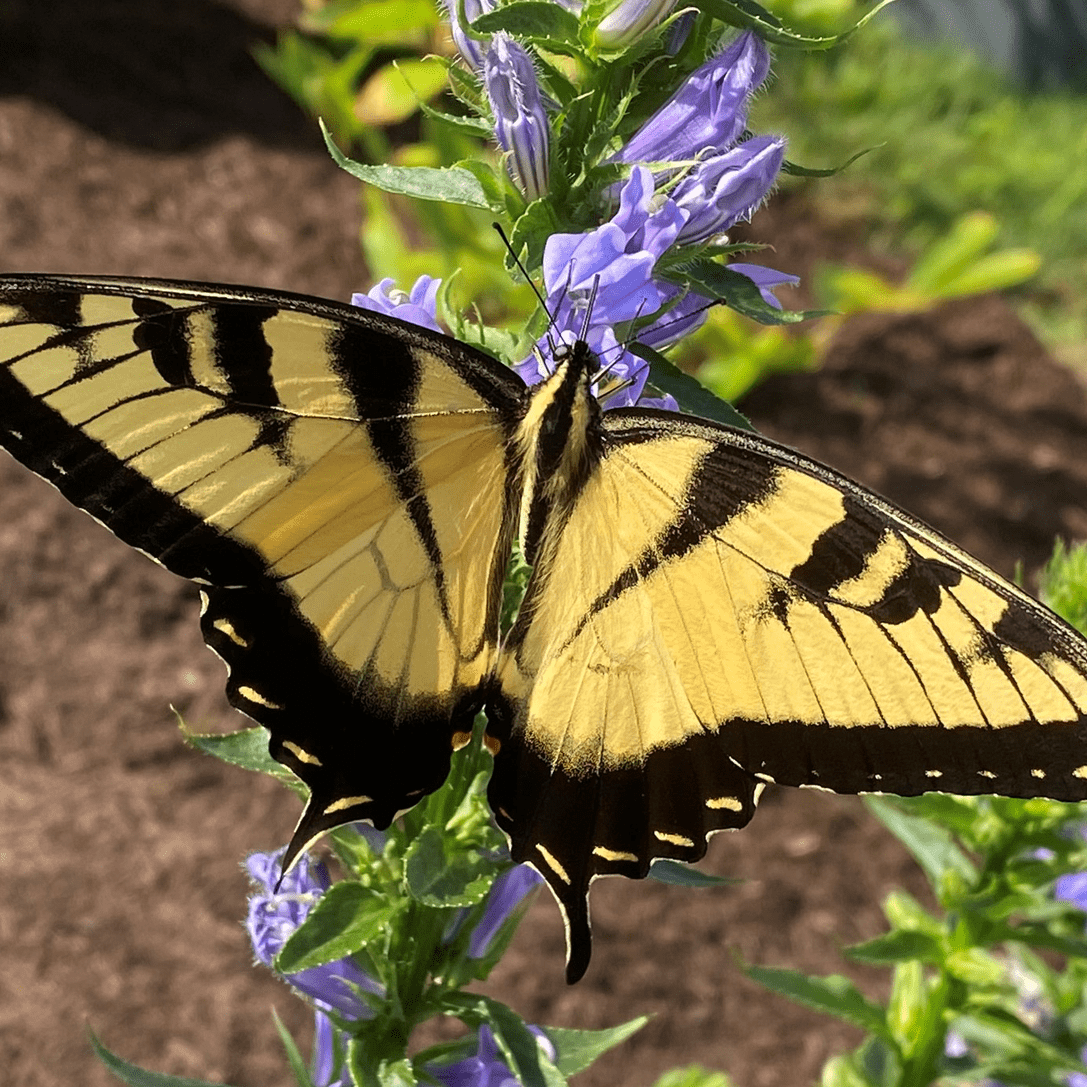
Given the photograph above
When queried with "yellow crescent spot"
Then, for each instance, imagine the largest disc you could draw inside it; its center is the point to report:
(613, 854)
(729, 802)
(1037, 773)
(1080, 772)
(672, 839)
(553, 864)
(301, 754)
(987, 774)
(934, 773)
(255, 696)
(346, 802)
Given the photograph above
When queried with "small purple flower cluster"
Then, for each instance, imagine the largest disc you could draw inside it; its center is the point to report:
(690, 180)
(337, 987)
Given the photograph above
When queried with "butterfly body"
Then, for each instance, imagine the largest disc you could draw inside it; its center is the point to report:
(707, 610)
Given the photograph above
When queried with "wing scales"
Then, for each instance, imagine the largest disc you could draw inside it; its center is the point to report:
(335, 478)
(716, 611)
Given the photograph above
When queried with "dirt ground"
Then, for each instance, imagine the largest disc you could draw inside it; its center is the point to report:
(136, 137)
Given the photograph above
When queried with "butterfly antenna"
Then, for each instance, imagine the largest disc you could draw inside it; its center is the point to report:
(531, 282)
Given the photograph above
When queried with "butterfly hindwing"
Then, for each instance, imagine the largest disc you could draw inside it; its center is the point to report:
(741, 615)
(335, 480)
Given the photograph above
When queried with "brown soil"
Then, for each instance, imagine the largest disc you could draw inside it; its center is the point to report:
(138, 138)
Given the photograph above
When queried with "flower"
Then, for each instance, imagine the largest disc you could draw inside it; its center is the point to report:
(419, 306)
(707, 113)
(486, 1068)
(468, 45)
(1073, 889)
(273, 917)
(727, 187)
(766, 279)
(628, 20)
(613, 266)
(521, 125)
(506, 894)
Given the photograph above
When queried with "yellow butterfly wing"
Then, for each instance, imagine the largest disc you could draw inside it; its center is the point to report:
(715, 612)
(336, 481)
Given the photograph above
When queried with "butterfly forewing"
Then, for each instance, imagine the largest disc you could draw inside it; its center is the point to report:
(747, 615)
(336, 481)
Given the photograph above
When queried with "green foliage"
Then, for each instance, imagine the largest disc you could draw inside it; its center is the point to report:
(693, 1076)
(953, 266)
(978, 972)
(949, 137)
(1063, 583)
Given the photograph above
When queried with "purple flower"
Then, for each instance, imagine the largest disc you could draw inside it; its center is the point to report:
(628, 20)
(486, 1068)
(419, 306)
(613, 265)
(1079, 1079)
(1073, 889)
(506, 894)
(685, 317)
(273, 917)
(728, 187)
(325, 1047)
(521, 125)
(766, 279)
(707, 113)
(468, 45)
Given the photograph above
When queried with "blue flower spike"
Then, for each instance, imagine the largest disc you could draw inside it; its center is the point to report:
(521, 125)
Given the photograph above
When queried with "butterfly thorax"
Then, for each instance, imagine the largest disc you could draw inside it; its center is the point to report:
(559, 444)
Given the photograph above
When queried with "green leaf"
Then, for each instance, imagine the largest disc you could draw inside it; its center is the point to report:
(519, 1046)
(897, 946)
(294, 1057)
(834, 994)
(797, 170)
(577, 1049)
(438, 873)
(469, 126)
(396, 1074)
(386, 22)
(135, 1076)
(247, 748)
(395, 91)
(538, 21)
(1043, 936)
(753, 16)
(347, 917)
(694, 1075)
(736, 291)
(691, 395)
(678, 874)
(449, 184)
(932, 847)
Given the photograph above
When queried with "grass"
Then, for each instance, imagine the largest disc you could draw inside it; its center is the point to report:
(955, 137)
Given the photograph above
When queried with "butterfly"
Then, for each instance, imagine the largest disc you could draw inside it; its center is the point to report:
(708, 611)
